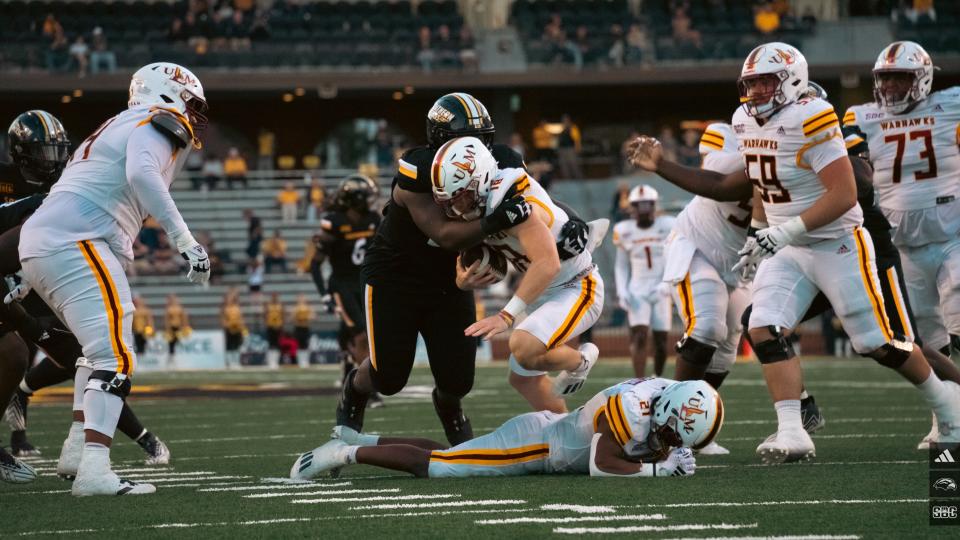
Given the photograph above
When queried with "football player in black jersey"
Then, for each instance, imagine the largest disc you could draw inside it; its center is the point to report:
(409, 276)
(345, 232)
(39, 149)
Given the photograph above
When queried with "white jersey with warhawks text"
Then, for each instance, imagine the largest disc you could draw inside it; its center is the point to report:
(717, 229)
(534, 194)
(783, 156)
(644, 247)
(123, 170)
(916, 165)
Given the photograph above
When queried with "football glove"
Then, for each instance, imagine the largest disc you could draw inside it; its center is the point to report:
(747, 265)
(573, 239)
(196, 257)
(510, 213)
(772, 239)
(680, 462)
(18, 293)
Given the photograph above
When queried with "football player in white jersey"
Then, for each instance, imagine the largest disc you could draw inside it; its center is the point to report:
(804, 185)
(559, 300)
(639, 274)
(912, 135)
(75, 246)
(640, 427)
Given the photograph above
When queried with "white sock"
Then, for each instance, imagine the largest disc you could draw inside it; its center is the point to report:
(24, 388)
(95, 460)
(365, 439)
(788, 414)
(101, 410)
(937, 396)
(80, 386)
(352, 454)
(804, 395)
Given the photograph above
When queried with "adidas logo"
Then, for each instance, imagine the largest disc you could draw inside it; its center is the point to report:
(945, 457)
(938, 108)
(781, 131)
(843, 249)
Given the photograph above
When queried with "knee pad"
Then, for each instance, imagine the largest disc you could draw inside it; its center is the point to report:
(773, 350)
(695, 352)
(893, 354)
(110, 382)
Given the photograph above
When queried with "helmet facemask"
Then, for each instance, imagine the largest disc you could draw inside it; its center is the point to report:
(196, 113)
(896, 90)
(41, 163)
(464, 204)
(762, 94)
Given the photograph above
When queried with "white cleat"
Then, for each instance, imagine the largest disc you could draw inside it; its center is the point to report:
(71, 452)
(109, 483)
(158, 455)
(330, 457)
(713, 449)
(949, 428)
(930, 437)
(786, 447)
(569, 382)
(597, 231)
(352, 436)
(14, 471)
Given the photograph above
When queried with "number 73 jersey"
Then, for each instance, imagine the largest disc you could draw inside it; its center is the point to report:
(783, 157)
(916, 164)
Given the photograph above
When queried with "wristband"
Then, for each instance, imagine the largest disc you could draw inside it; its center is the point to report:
(507, 318)
(515, 306)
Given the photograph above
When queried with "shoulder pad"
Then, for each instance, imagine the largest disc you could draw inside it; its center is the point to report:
(330, 222)
(413, 170)
(855, 141)
(850, 117)
(173, 128)
(818, 116)
(506, 157)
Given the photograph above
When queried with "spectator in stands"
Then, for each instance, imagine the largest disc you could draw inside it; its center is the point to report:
(918, 11)
(260, 27)
(585, 45)
(57, 54)
(234, 327)
(235, 168)
(303, 316)
(315, 199)
(165, 259)
(141, 259)
(288, 198)
(243, 6)
(618, 45)
(101, 55)
(177, 32)
(51, 26)
(254, 233)
(766, 19)
(218, 261)
(143, 324)
(568, 150)
(447, 49)
(668, 142)
(621, 202)
(425, 53)
(639, 49)
(686, 37)
(255, 278)
(266, 148)
(79, 56)
(468, 51)
(544, 142)
(274, 317)
(688, 153)
(384, 149)
(177, 323)
(275, 252)
(212, 172)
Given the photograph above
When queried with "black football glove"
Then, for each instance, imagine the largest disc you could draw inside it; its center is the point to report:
(510, 213)
(573, 238)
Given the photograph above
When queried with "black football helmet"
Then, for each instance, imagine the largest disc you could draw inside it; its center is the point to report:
(39, 146)
(458, 115)
(357, 192)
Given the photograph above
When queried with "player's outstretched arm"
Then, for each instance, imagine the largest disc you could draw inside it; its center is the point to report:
(841, 194)
(646, 153)
(459, 235)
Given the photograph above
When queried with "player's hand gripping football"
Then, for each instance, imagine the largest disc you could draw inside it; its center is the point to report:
(645, 153)
(470, 278)
(487, 328)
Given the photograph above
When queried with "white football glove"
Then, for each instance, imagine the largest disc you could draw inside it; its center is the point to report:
(747, 265)
(196, 257)
(773, 239)
(18, 293)
(680, 462)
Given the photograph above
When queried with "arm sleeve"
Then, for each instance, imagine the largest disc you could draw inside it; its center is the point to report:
(147, 154)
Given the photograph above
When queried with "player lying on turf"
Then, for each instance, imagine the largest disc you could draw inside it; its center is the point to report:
(640, 427)
(560, 299)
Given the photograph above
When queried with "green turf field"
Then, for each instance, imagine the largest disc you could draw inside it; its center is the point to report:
(230, 454)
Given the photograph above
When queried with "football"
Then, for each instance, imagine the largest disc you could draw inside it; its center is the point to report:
(488, 257)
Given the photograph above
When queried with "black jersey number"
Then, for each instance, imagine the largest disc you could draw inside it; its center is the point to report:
(771, 190)
(742, 221)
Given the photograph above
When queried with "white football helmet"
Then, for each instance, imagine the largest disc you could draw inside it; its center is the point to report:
(779, 60)
(173, 87)
(902, 57)
(643, 193)
(688, 414)
(461, 174)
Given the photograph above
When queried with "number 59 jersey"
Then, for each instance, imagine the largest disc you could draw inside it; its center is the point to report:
(916, 164)
(783, 157)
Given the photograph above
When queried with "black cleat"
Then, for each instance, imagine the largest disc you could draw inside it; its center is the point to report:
(20, 446)
(352, 405)
(811, 416)
(455, 424)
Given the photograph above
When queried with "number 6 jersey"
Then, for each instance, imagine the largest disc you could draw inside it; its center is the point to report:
(916, 164)
(783, 157)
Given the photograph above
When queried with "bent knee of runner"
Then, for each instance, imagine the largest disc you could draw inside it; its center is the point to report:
(527, 349)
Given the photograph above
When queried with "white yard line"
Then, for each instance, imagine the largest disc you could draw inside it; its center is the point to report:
(777, 503)
(654, 528)
(320, 493)
(802, 537)
(484, 502)
(396, 498)
(832, 420)
(580, 509)
(818, 463)
(181, 479)
(578, 519)
(838, 436)
(259, 487)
